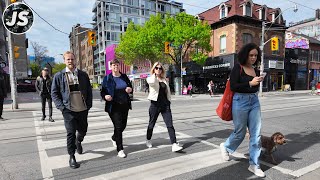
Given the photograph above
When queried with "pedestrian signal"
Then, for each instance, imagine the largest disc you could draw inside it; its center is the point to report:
(92, 38)
(274, 44)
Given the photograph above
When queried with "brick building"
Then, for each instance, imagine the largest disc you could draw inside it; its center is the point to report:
(235, 23)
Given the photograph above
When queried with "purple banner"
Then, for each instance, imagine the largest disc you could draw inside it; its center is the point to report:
(110, 55)
(295, 41)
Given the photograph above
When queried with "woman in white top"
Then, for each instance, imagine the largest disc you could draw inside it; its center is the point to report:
(160, 98)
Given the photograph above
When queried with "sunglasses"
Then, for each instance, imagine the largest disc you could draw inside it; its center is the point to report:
(158, 68)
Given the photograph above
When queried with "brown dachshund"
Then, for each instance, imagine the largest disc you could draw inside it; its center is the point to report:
(269, 144)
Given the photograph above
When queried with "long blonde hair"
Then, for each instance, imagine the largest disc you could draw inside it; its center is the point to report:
(163, 72)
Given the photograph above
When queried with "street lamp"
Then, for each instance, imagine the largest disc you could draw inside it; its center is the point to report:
(295, 9)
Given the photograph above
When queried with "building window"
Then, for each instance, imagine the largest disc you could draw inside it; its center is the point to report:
(248, 9)
(263, 15)
(223, 44)
(246, 38)
(223, 12)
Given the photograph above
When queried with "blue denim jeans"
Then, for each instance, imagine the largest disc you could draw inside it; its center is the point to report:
(246, 112)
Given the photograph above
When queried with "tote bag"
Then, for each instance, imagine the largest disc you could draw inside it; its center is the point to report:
(224, 109)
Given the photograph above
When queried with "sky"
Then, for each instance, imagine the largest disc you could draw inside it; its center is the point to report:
(63, 14)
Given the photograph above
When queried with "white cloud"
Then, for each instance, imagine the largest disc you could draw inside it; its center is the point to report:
(64, 14)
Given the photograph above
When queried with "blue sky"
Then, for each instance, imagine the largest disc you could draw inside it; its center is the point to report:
(63, 14)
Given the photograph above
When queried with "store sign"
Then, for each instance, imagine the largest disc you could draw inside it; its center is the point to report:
(272, 64)
(280, 65)
(216, 66)
(295, 41)
(298, 61)
(144, 76)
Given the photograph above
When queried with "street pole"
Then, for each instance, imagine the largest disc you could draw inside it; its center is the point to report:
(181, 72)
(262, 56)
(13, 81)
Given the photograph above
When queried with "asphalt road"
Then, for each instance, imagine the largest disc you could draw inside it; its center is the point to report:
(33, 149)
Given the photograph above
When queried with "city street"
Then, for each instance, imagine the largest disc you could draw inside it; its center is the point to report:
(34, 149)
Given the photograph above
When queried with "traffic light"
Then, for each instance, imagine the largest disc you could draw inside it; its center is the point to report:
(16, 54)
(13, 1)
(274, 44)
(166, 47)
(92, 38)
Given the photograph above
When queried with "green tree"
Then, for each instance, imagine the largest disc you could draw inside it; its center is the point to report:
(58, 67)
(35, 69)
(183, 31)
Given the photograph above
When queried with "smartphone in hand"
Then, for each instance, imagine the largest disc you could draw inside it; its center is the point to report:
(263, 74)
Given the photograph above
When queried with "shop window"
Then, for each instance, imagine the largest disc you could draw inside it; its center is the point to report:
(246, 38)
(223, 44)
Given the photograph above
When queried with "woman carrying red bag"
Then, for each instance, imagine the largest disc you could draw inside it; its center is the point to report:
(246, 112)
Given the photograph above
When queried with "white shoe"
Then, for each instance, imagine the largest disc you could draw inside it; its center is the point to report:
(149, 143)
(122, 154)
(113, 142)
(176, 147)
(256, 170)
(224, 152)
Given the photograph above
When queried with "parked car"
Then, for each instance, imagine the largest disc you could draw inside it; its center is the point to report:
(26, 85)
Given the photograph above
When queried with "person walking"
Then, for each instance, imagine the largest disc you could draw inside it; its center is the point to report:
(211, 88)
(160, 98)
(190, 89)
(313, 87)
(43, 87)
(72, 94)
(3, 90)
(116, 88)
(246, 111)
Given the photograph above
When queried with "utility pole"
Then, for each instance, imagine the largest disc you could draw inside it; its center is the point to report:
(181, 72)
(13, 81)
(262, 56)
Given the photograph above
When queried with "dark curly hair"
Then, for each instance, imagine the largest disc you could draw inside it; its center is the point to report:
(243, 54)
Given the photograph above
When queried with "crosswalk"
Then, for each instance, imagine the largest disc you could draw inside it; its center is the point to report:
(142, 163)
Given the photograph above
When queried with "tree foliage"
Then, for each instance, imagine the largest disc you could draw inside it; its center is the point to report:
(185, 33)
(35, 69)
(58, 67)
(39, 52)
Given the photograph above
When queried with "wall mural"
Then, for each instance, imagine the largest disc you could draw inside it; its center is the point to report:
(311, 31)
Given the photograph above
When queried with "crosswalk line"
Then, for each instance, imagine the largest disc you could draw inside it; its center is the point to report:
(101, 137)
(167, 168)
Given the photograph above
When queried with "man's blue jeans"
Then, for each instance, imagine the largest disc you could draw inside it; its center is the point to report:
(246, 112)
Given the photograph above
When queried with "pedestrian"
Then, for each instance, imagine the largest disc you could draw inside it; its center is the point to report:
(147, 88)
(160, 98)
(190, 89)
(116, 88)
(246, 111)
(43, 87)
(72, 94)
(313, 86)
(211, 88)
(3, 90)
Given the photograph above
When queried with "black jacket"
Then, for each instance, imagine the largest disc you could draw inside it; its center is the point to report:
(60, 91)
(3, 88)
(40, 82)
(108, 87)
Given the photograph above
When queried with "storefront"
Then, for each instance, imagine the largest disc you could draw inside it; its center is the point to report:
(139, 74)
(296, 68)
(275, 78)
(218, 70)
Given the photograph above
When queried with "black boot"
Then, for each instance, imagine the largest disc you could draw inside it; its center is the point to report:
(73, 163)
(50, 119)
(43, 118)
(79, 147)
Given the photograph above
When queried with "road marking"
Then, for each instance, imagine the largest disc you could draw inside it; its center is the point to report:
(45, 168)
(305, 170)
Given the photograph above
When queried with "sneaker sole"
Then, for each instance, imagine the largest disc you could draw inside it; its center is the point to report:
(255, 173)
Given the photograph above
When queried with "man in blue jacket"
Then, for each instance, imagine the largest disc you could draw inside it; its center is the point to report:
(72, 94)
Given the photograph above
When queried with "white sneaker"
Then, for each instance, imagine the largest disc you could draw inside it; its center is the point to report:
(224, 152)
(176, 147)
(122, 154)
(113, 142)
(256, 170)
(149, 143)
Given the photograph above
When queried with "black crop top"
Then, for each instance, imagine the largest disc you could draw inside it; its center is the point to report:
(239, 80)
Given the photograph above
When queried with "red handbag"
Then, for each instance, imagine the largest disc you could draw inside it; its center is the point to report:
(224, 109)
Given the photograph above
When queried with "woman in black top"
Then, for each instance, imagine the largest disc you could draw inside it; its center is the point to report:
(116, 88)
(246, 112)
